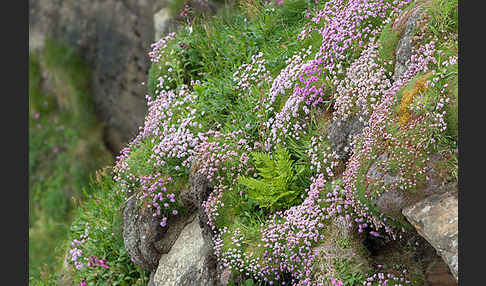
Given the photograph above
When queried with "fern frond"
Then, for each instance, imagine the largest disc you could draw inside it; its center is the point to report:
(278, 186)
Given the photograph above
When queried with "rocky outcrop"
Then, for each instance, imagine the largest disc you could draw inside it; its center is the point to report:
(113, 37)
(145, 240)
(436, 219)
(186, 263)
(407, 24)
(190, 259)
(341, 133)
(394, 200)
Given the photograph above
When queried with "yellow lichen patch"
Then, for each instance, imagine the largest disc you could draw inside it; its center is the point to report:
(408, 96)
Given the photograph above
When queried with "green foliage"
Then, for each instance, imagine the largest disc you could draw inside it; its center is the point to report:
(65, 147)
(444, 16)
(100, 216)
(277, 187)
(213, 49)
(388, 42)
(70, 78)
(349, 272)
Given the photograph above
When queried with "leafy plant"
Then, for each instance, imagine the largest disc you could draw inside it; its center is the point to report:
(277, 187)
(349, 272)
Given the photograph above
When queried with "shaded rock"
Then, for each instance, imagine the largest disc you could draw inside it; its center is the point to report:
(113, 37)
(186, 263)
(341, 133)
(411, 252)
(151, 279)
(394, 200)
(406, 22)
(145, 240)
(140, 231)
(341, 243)
(436, 219)
(438, 274)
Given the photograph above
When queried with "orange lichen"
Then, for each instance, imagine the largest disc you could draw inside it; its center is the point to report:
(408, 96)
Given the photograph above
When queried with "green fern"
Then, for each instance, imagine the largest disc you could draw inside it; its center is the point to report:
(277, 187)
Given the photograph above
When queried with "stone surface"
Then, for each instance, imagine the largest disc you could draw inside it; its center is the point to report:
(113, 37)
(163, 23)
(407, 23)
(341, 133)
(436, 219)
(394, 200)
(186, 263)
(145, 240)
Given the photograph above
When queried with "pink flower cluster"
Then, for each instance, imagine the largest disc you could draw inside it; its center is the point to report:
(371, 142)
(252, 74)
(76, 251)
(345, 71)
(362, 88)
(155, 54)
(384, 279)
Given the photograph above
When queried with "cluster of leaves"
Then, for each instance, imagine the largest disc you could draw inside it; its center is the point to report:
(96, 232)
(279, 185)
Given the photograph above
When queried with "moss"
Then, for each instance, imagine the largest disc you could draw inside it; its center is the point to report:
(388, 43)
(407, 97)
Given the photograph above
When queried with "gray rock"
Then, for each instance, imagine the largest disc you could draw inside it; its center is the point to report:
(151, 279)
(403, 51)
(140, 231)
(113, 37)
(394, 200)
(145, 240)
(436, 219)
(186, 263)
(341, 133)
(164, 23)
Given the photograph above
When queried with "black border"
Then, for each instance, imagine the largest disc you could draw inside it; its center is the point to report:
(15, 90)
(471, 197)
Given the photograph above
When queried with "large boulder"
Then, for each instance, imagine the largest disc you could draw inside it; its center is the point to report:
(187, 261)
(436, 219)
(145, 240)
(113, 37)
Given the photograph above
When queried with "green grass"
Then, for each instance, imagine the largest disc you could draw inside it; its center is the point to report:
(101, 216)
(218, 45)
(65, 147)
(388, 42)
